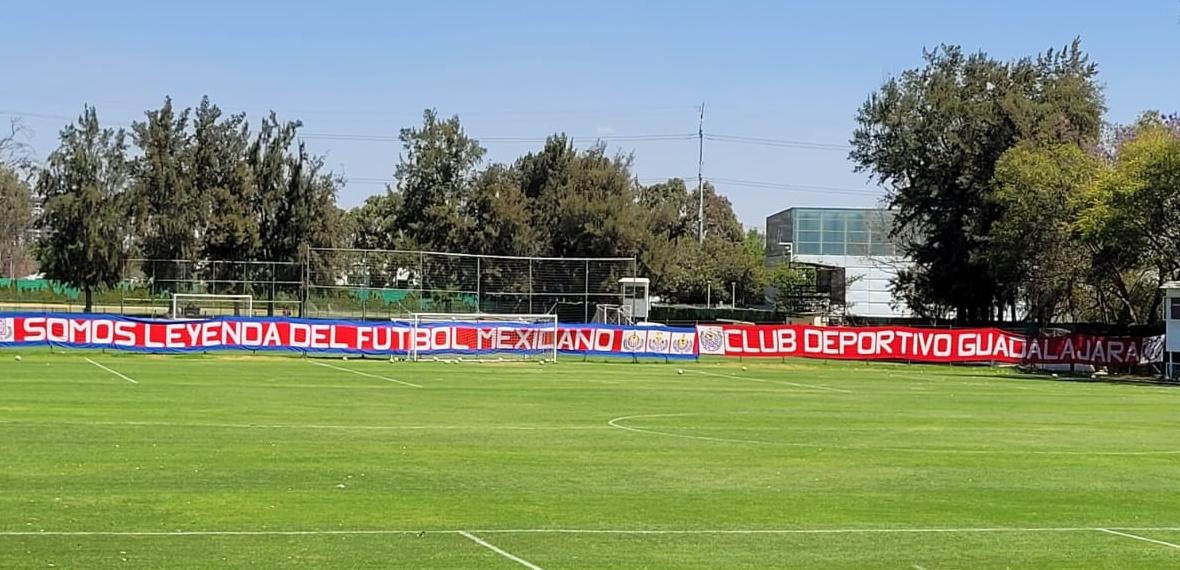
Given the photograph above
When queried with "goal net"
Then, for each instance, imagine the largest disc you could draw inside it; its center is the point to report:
(198, 305)
(483, 336)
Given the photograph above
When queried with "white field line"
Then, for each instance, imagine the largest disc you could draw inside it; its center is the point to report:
(359, 373)
(1137, 537)
(115, 372)
(784, 382)
(500, 551)
(413, 427)
(608, 531)
(616, 423)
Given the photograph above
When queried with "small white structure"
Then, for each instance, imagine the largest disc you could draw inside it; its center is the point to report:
(1172, 329)
(636, 296)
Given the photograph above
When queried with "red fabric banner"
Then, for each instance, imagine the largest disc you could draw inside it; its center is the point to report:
(915, 344)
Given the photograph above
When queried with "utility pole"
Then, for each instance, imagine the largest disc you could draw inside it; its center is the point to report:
(701, 176)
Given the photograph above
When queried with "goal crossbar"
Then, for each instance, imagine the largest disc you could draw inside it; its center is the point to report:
(242, 303)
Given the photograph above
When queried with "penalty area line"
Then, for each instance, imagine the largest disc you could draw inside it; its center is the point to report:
(115, 372)
(366, 374)
(1137, 537)
(499, 551)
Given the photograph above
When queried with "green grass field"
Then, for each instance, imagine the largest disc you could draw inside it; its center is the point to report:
(275, 462)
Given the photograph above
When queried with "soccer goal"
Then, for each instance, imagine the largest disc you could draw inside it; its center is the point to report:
(198, 305)
(483, 336)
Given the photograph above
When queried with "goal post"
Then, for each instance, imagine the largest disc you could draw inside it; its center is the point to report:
(512, 324)
(197, 305)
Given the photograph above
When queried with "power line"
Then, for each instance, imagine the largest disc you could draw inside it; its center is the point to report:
(522, 139)
(794, 187)
(715, 180)
(656, 137)
(780, 143)
(51, 116)
(390, 180)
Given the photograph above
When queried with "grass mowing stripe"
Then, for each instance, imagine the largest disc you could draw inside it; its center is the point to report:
(1120, 531)
(115, 372)
(315, 426)
(500, 551)
(616, 423)
(1137, 537)
(359, 373)
(783, 382)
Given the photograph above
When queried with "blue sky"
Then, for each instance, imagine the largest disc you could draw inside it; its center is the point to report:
(791, 71)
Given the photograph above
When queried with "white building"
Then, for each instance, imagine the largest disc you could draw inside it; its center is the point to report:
(853, 240)
(1172, 329)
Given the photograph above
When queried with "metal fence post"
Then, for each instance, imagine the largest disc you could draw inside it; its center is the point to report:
(531, 311)
(421, 281)
(270, 307)
(586, 300)
(478, 285)
(304, 278)
(368, 282)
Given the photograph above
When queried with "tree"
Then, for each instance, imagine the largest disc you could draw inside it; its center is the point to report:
(222, 177)
(169, 208)
(373, 224)
(594, 213)
(435, 175)
(86, 218)
(789, 280)
(684, 270)
(16, 200)
(16, 217)
(294, 199)
(270, 171)
(1131, 219)
(497, 219)
(15, 153)
(933, 136)
(1034, 248)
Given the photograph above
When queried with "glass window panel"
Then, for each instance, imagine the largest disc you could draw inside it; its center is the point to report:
(856, 223)
(858, 249)
(808, 224)
(834, 221)
(808, 236)
(833, 249)
(807, 248)
(858, 237)
(1176, 308)
(834, 237)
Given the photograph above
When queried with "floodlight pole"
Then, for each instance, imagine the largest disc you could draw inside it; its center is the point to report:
(701, 176)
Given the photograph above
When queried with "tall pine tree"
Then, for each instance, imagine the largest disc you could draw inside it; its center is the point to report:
(87, 216)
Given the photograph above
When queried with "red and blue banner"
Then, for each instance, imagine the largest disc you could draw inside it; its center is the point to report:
(906, 344)
(340, 337)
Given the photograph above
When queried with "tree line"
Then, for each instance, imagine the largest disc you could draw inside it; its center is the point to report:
(1013, 197)
(201, 184)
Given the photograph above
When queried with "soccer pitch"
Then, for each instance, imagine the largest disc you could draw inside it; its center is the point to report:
(134, 461)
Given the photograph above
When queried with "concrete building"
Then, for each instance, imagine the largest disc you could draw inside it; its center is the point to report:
(854, 241)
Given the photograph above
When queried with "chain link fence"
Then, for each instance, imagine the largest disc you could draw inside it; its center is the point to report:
(345, 283)
(383, 284)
